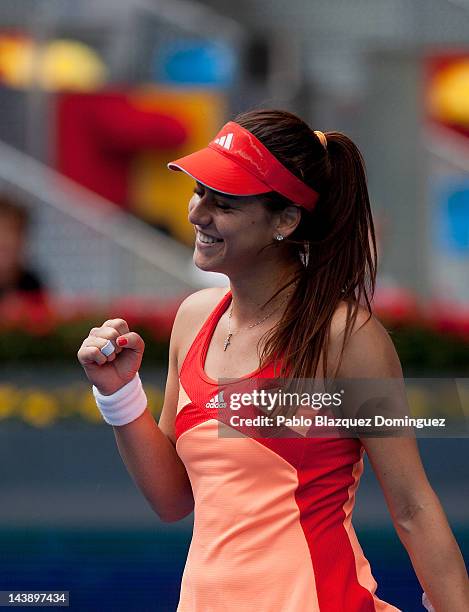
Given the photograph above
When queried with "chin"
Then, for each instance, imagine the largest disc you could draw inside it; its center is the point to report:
(206, 266)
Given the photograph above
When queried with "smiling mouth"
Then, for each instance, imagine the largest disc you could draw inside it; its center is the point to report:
(206, 239)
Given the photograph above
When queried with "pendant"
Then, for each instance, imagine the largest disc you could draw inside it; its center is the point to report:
(227, 342)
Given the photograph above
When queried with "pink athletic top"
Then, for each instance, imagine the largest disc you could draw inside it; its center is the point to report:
(272, 518)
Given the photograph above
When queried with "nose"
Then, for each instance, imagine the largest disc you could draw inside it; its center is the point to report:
(198, 212)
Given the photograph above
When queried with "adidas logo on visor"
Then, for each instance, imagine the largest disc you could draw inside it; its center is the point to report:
(216, 401)
(225, 141)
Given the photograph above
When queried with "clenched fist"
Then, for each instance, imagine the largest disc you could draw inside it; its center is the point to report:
(109, 374)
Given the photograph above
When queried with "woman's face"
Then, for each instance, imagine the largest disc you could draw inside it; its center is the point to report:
(240, 227)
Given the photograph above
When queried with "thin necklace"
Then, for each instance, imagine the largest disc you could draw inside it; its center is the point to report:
(230, 333)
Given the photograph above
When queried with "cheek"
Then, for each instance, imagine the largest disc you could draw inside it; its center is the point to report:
(247, 235)
(191, 204)
(258, 227)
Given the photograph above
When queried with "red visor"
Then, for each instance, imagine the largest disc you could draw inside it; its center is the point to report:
(237, 163)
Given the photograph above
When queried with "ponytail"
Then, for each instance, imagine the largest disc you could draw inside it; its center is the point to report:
(336, 242)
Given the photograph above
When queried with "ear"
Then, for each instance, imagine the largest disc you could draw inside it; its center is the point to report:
(288, 220)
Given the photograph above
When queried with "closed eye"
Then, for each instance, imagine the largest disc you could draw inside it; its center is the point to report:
(200, 191)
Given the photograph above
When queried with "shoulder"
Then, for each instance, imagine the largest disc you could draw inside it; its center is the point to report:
(191, 315)
(200, 303)
(368, 351)
(363, 321)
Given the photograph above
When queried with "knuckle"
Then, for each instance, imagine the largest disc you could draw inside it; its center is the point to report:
(120, 322)
(116, 323)
(108, 330)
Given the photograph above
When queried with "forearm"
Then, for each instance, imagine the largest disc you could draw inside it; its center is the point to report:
(156, 468)
(435, 555)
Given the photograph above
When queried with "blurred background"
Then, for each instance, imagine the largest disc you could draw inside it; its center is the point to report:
(96, 96)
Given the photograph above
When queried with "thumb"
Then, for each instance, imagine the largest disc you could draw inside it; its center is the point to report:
(131, 340)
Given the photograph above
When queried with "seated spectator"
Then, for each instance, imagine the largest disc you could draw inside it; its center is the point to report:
(18, 283)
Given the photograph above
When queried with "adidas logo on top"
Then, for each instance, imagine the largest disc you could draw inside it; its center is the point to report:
(225, 141)
(216, 401)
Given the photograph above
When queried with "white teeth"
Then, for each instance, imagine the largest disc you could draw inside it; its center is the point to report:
(207, 239)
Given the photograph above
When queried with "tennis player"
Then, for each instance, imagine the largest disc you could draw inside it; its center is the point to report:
(284, 212)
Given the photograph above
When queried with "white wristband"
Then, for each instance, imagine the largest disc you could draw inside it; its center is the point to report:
(426, 603)
(123, 406)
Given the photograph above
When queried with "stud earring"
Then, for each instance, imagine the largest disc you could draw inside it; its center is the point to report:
(279, 237)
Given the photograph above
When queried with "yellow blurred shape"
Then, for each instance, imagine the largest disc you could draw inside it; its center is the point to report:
(87, 408)
(71, 65)
(417, 398)
(9, 398)
(69, 398)
(39, 409)
(159, 195)
(448, 95)
(16, 60)
(155, 398)
(59, 64)
(42, 408)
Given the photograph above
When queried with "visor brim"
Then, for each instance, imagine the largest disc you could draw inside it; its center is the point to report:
(219, 173)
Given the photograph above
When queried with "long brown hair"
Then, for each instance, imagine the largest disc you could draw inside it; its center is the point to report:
(336, 242)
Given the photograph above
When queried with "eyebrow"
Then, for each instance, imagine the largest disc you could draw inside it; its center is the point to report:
(218, 194)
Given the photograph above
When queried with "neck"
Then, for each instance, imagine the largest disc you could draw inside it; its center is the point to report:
(253, 289)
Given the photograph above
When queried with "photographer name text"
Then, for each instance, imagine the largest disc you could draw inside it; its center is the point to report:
(328, 422)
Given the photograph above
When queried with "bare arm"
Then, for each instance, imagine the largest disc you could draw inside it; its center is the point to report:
(148, 450)
(417, 514)
(420, 522)
(150, 456)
